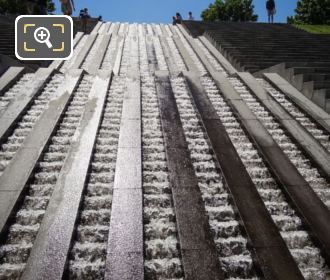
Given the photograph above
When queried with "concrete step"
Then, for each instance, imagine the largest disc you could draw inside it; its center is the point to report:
(316, 77)
(318, 114)
(321, 85)
(311, 70)
(9, 78)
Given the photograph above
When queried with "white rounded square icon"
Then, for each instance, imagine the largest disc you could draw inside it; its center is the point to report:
(43, 37)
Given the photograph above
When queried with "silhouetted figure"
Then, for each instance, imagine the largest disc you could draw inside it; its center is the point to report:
(178, 18)
(190, 16)
(271, 9)
(100, 18)
(67, 6)
(84, 16)
(31, 6)
(174, 20)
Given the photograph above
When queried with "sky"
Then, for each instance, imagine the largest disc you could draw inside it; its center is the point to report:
(161, 11)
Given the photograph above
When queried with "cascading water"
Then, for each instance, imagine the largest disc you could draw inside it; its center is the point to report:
(305, 253)
(296, 155)
(235, 258)
(162, 253)
(89, 251)
(319, 134)
(12, 93)
(9, 148)
(15, 249)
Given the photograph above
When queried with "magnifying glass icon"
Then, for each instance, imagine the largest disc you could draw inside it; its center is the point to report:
(42, 35)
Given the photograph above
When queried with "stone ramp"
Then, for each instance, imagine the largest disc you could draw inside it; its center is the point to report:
(135, 160)
(298, 56)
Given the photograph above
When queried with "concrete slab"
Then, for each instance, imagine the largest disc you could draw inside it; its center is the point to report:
(185, 55)
(102, 28)
(107, 27)
(288, 175)
(49, 255)
(97, 28)
(78, 60)
(168, 56)
(259, 226)
(164, 31)
(318, 114)
(313, 148)
(188, 203)
(119, 55)
(221, 59)
(129, 159)
(99, 55)
(18, 172)
(115, 29)
(125, 265)
(125, 257)
(23, 101)
(9, 78)
(57, 64)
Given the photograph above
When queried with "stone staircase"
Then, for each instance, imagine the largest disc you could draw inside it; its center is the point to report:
(7, 44)
(301, 58)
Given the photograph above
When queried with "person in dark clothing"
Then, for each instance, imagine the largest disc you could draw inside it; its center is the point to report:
(271, 9)
(84, 16)
(178, 18)
(174, 20)
(31, 6)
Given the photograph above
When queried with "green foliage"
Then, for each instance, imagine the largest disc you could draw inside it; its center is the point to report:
(230, 10)
(213, 12)
(315, 29)
(311, 12)
(15, 7)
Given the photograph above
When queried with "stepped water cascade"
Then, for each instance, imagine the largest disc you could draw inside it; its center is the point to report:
(9, 148)
(14, 91)
(143, 128)
(15, 250)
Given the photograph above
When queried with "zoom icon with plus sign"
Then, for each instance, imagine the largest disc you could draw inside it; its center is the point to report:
(43, 37)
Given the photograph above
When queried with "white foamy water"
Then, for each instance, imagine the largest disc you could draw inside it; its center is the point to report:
(294, 153)
(162, 253)
(14, 91)
(9, 148)
(289, 224)
(15, 249)
(319, 134)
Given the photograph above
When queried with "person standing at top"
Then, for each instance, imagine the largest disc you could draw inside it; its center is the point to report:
(190, 16)
(178, 18)
(31, 6)
(67, 6)
(84, 16)
(271, 9)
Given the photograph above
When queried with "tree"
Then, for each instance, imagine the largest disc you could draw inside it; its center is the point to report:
(230, 10)
(15, 7)
(311, 12)
(214, 11)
